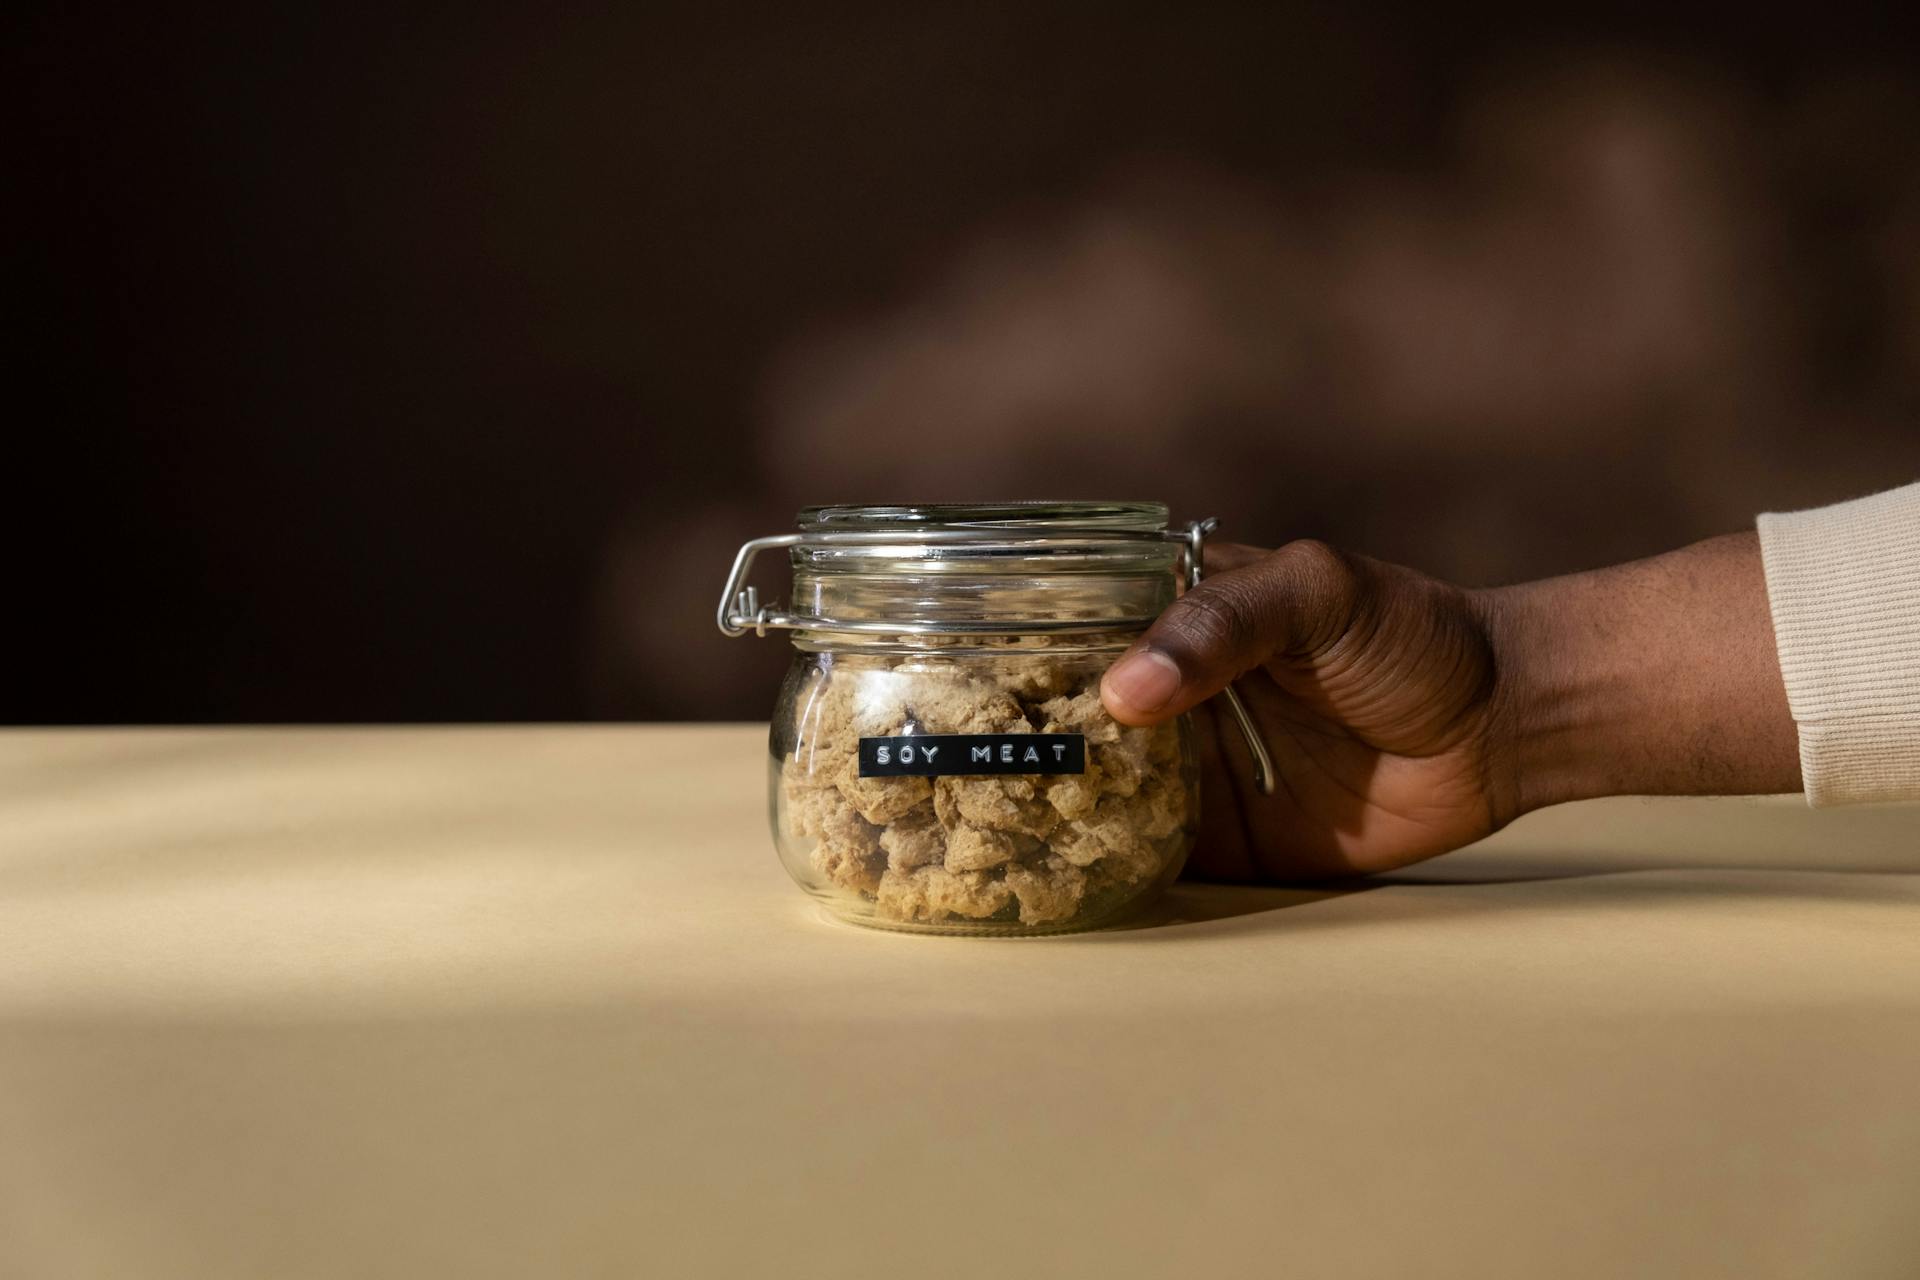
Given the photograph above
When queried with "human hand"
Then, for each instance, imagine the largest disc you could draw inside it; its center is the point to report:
(1407, 717)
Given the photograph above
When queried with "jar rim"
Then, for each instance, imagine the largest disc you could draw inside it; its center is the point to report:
(1026, 515)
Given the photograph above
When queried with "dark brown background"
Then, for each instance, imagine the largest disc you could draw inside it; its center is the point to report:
(430, 365)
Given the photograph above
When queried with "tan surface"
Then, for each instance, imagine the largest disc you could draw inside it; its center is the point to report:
(541, 1002)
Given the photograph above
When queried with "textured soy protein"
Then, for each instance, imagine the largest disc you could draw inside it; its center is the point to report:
(1043, 849)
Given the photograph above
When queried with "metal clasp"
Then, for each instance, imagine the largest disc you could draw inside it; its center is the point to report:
(1263, 774)
(740, 610)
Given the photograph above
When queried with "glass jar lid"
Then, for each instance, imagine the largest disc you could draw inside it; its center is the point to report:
(1004, 539)
(1012, 568)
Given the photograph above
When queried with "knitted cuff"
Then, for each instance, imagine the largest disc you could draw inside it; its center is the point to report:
(1843, 583)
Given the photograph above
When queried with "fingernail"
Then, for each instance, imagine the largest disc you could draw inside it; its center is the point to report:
(1145, 681)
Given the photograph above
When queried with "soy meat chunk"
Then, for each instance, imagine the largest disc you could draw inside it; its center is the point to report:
(829, 747)
(854, 703)
(817, 764)
(946, 802)
(1048, 893)
(1132, 833)
(847, 851)
(824, 748)
(1073, 795)
(1125, 754)
(1003, 803)
(1147, 862)
(939, 696)
(1122, 821)
(794, 781)
(1132, 862)
(1036, 679)
(1160, 809)
(883, 800)
(974, 894)
(1127, 760)
(822, 812)
(956, 703)
(914, 840)
(971, 848)
(1076, 844)
(1083, 714)
(998, 713)
(849, 867)
(931, 893)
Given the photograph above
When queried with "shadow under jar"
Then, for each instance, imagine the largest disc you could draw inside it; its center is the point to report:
(940, 758)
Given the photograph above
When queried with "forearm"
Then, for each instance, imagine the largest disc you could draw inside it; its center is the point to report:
(1658, 677)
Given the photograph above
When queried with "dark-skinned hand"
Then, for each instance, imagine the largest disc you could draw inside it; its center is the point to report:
(1407, 717)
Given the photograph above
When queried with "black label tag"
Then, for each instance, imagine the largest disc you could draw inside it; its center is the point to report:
(932, 755)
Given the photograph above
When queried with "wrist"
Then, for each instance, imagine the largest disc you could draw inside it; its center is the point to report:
(1652, 678)
(1559, 707)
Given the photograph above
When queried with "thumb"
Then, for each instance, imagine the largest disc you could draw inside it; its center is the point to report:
(1294, 602)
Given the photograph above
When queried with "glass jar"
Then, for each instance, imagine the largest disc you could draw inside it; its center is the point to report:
(940, 761)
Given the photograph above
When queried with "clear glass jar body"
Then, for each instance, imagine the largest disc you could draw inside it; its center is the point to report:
(987, 627)
(1006, 853)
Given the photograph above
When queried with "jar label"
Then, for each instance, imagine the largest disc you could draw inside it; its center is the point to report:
(933, 755)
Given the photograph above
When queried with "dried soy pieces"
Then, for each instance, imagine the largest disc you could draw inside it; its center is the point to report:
(1013, 797)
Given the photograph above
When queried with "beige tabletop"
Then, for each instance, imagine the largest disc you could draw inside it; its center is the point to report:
(541, 1002)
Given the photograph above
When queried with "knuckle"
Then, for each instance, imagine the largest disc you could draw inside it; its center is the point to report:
(1324, 584)
(1213, 618)
(1315, 563)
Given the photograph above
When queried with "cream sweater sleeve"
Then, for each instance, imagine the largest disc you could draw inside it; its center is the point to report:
(1844, 586)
